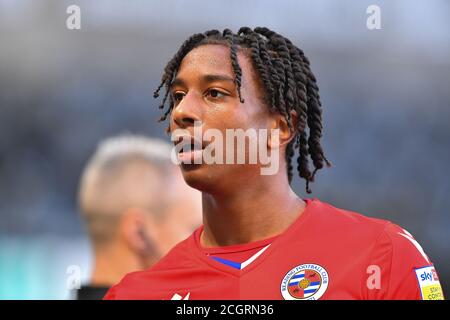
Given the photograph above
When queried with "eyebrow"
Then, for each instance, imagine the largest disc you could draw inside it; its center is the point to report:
(217, 77)
(206, 78)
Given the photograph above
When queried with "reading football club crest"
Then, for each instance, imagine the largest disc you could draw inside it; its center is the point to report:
(305, 282)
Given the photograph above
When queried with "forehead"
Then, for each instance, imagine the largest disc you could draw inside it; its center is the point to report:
(214, 59)
(209, 58)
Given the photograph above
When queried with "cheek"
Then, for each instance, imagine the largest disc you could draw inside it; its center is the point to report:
(230, 116)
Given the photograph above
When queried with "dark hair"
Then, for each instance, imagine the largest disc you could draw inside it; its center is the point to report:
(288, 82)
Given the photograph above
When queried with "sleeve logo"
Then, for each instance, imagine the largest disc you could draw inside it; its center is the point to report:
(429, 285)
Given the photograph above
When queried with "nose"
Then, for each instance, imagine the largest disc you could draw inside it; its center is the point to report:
(185, 113)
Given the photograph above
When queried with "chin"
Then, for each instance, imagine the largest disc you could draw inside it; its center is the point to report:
(205, 178)
(196, 176)
(216, 178)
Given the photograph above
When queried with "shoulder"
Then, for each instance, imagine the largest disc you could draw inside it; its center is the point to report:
(348, 223)
(390, 252)
(378, 237)
(383, 234)
(405, 269)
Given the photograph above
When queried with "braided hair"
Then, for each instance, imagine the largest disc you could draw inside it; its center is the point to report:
(289, 85)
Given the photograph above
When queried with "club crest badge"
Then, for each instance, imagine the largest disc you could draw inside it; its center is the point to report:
(305, 282)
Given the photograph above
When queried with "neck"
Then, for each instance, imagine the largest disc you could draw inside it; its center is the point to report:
(112, 265)
(250, 213)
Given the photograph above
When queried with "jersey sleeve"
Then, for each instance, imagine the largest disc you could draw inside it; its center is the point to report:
(399, 269)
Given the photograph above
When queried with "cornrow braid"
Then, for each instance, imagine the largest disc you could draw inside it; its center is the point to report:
(262, 63)
(172, 67)
(314, 113)
(228, 34)
(301, 110)
(290, 88)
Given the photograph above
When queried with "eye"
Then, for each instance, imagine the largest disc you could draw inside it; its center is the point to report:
(178, 96)
(215, 94)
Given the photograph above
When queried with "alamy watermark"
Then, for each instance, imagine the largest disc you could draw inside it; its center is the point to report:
(235, 146)
(373, 21)
(73, 280)
(73, 21)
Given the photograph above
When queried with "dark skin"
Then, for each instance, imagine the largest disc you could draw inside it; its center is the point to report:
(239, 204)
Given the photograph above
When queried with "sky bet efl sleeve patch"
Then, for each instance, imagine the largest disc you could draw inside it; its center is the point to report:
(430, 288)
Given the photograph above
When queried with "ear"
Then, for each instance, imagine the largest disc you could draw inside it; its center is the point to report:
(134, 229)
(286, 133)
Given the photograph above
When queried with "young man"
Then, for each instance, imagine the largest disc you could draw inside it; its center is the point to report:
(259, 240)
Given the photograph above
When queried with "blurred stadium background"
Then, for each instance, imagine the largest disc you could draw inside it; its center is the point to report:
(385, 93)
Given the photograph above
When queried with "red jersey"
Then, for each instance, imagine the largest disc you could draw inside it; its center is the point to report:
(327, 253)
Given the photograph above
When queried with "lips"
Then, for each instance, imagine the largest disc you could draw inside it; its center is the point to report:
(188, 143)
(190, 149)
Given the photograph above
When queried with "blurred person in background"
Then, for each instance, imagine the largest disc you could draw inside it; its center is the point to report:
(132, 219)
